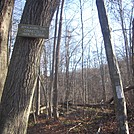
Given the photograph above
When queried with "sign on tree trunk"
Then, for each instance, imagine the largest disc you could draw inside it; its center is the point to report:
(34, 31)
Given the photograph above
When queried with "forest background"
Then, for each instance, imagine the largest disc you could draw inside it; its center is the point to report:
(73, 69)
(84, 53)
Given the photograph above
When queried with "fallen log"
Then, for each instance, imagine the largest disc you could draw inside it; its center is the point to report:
(42, 108)
(99, 105)
(125, 90)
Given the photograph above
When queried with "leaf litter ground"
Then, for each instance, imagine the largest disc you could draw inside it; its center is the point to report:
(80, 121)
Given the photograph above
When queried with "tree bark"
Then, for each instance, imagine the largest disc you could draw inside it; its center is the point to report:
(132, 99)
(120, 103)
(55, 91)
(133, 48)
(38, 97)
(67, 83)
(50, 97)
(23, 70)
(125, 90)
(6, 8)
(124, 32)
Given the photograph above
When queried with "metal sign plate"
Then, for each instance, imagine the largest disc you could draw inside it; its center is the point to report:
(35, 31)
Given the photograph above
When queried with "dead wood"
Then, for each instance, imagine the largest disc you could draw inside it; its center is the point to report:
(125, 90)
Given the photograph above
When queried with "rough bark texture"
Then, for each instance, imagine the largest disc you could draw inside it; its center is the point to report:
(120, 103)
(6, 7)
(23, 70)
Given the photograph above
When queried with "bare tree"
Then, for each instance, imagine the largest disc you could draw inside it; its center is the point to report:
(126, 42)
(133, 47)
(82, 49)
(55, 91)
(67, 85)
(6, 8)
(50, 96)
(38, 96)
(101, 71)
(22, 74)
(119, 99)
(133, 51)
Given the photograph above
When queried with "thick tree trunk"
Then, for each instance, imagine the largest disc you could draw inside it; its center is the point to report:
(23, 70)
(6, 7)
(120, 103)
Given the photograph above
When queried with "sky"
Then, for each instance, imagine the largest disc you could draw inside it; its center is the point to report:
(92, 31)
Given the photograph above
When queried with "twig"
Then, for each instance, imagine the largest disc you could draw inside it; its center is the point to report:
(74, 127)
(99, 129)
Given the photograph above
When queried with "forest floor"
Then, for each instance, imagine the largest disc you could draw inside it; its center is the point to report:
(81, 121)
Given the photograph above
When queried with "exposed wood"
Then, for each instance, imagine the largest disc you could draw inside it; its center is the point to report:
(42, 108)
(79, 124)
(38, 97)
(125, 90)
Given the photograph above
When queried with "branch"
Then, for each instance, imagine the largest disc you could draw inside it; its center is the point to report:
(74, 127)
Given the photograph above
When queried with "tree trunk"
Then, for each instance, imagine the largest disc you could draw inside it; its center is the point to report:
(55, 91)
(82, 53)
(101, 71)
(133, 55)
(50, 98)
(133, 47)
(38, 96)
(124, 32)
(120, 103)
(67, 86)
(23, 70)
(6, 8)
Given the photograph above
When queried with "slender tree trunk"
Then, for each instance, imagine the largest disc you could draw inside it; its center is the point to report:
(67, 66)
(38, 97)
(133, 53)
(101, 72)
(119, 99)
(55, 91)
(6, 8)
(50, 108)
(125, 40)
(45, 86)
(82, 51)
(23, 70)
(130, 34)
(133, 47)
